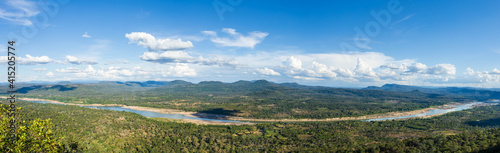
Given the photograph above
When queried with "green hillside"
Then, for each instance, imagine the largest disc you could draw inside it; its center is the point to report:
(249, 99)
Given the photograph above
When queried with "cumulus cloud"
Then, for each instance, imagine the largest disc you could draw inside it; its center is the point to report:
(307, 78)
(50, 74)
(293, 62)
(364, 69)
(89, 71)
(183, 57)
(315, 71)
(155, 44)
(180, 70)
(447, 69)
(415, 68)
(85, 35)
(33, 60)
(268, 71)
(483, 76)
(361, 67)
(19, 11)
(29, 60)
(76, 61)
(111, 73)
(235, 39)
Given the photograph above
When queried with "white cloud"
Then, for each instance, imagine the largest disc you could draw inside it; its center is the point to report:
(361, 67)
(183, 57)
(76, 61)
(114, 73)
(50, 74)
(293, 67)
(348, 60)
(307, 78)
(168, 57)
(85, 35)
(236, 39)
(416, 68)
(446, 69)
(210, 33)
(484, 77)
(268, 71)
(32, 60)
(68, 70)
(364, 69)
(180, 70)
(29, 60)
(293, 62)
(19, 11)
(90, 72)
(321, 70)
(154, 44)
(495, 71)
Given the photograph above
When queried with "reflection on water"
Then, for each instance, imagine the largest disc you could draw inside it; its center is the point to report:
(431, 112)
(146, 113)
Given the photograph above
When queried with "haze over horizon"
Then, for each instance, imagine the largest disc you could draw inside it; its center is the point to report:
(327, 43)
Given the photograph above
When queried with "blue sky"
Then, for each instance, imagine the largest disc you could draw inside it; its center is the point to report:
(329, 43)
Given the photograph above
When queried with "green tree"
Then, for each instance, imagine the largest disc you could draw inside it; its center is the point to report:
(36, 136)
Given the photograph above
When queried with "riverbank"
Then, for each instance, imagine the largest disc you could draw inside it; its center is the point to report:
(213, 116)
(366, 117)
(157, 110)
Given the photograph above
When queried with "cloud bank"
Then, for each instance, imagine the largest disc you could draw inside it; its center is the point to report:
(155, 44)
(235, 39)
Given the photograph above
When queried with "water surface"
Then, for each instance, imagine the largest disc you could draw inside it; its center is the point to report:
(452, 108)
(147, 113)
(431, 112)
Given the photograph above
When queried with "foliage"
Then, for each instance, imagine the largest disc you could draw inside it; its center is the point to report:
(259, 99)
(37, 136)
(111, 131)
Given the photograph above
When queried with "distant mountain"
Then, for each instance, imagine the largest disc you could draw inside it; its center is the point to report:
(177, 83)
(64, 82)
(259, 98)
(136, 83)
(46, 87)
(296, 85)
(210, 83)
(154, 83)
(471, 93)
(405, 88)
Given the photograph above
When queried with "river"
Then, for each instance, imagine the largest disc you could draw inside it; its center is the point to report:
(148, 113)
(451, 108)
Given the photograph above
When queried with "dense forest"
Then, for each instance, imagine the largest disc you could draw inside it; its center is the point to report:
(248, 99)
(81, 129)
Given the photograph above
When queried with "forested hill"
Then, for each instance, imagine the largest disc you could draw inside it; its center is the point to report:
(250, 99)
(471, 93)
